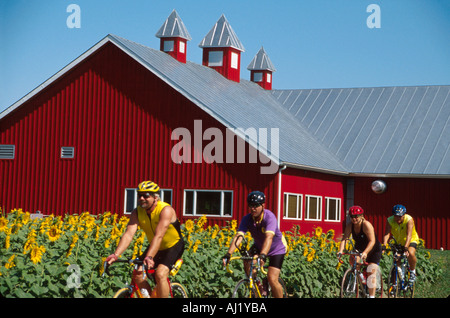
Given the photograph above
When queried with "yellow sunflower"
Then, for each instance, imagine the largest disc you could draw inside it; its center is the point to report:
(54, 233)
(3, 224)
(36, 253)
(10, 263)
(189, 225)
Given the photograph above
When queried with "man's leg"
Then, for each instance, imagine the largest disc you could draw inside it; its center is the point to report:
(162, 285)
(272, 276)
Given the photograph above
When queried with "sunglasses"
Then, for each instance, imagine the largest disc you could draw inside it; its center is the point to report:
(146, 195)
(354, 216)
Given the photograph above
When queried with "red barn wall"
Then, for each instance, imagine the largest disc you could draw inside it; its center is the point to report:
(313, 183)
(426, 200)
(119, 117)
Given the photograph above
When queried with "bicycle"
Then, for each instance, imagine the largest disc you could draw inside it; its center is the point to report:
(356, 281)
(252, 286)
(399, 284)
(131, 290)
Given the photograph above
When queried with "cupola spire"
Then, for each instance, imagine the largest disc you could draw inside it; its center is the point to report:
(261, 69)
(222, 50)
(174, 37)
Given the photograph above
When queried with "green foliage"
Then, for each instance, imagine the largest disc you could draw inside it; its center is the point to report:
(63, 257)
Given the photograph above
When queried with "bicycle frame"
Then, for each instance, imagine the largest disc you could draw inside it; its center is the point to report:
(250, 274)
(400, 283)
(146, 273)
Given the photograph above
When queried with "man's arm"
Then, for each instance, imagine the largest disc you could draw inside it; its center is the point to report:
(127, 237)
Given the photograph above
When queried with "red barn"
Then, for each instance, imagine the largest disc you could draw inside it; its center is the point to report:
(123, 112)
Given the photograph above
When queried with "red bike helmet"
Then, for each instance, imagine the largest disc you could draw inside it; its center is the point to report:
(356, 210)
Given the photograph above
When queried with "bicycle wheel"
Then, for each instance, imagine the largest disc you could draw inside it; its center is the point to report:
(408, 290)
(123, 293)
(283, 286)
(349, 284)
(243, 290)
(393, 283)
(178, 291)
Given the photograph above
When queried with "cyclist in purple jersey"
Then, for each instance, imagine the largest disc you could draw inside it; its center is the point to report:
(269, 241)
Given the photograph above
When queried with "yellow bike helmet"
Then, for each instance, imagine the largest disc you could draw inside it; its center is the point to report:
(148, 186)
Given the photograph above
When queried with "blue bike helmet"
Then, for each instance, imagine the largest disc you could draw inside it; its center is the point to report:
(256, 198)
(398, 210)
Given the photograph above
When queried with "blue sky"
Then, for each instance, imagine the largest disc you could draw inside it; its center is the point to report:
(312, 43)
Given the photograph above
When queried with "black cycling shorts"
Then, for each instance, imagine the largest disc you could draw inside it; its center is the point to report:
(169, 256)
(274, 260)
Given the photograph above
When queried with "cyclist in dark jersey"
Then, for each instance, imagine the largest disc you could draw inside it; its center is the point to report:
(366, 242)
(268, 239)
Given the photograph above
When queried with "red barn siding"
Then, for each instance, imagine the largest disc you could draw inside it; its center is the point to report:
(318, 184)
(426, 200)
(119, 117)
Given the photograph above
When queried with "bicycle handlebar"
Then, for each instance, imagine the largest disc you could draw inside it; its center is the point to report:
(246, 258)
(135, 261)
(354, 253)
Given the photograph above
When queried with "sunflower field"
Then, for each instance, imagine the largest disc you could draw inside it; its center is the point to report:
(62, 256)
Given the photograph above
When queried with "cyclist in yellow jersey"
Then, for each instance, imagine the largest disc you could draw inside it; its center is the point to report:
(401, 226)
(160, 223)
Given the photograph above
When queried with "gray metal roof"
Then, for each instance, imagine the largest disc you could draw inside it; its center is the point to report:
(222, 35)
(383, 130)
(241, 105)
(173, 27)
(261, 62)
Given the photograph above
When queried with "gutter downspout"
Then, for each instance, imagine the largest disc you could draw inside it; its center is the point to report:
(279, 195)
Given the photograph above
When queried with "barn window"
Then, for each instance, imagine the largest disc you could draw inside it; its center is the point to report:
(313, 207)
(208, 202)
(168, 46)
(215, 58)
(130, 201)
(333, 209)
(67, 152)
(7, 151)
(293, 206)
(257, 77)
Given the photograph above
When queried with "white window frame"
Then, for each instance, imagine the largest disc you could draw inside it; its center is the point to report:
(234, 60)
(318, 207)
(200, 213)
(182, 47)
(134, 196)
(269, 78)
(299, 211)
(7, 152)
(327, 209)
(215, 58)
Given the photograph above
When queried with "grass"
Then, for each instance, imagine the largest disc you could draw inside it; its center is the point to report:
(441, 288)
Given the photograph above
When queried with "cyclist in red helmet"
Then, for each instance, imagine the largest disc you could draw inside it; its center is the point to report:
(366, 242)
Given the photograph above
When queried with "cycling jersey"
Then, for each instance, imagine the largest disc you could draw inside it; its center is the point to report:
(149, 224)
(399, 230)
(361, 242)
(258, 231)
